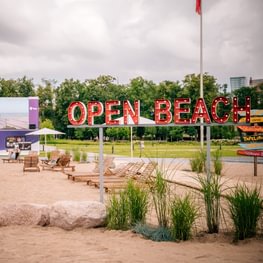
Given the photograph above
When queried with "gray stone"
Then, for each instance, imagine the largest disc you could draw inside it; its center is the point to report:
(71, 214)
(24, 214)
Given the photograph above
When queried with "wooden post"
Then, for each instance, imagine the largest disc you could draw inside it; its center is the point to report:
(255, 165)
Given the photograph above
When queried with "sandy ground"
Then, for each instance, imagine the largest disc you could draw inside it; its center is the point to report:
(50, 244)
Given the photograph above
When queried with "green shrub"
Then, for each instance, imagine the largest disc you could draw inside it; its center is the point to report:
(76, 155)
(118, 212)
(245, 207)
(84, 157)
(183, 214)
(67, 151)
(217, 162)
(211, 188)
(160, 192)
(198, 163)
(137, 199)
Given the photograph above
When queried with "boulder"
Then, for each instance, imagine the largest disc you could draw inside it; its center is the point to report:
(24, 214)
(71, 214)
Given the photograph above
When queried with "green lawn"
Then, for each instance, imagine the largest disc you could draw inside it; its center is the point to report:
(151, 149)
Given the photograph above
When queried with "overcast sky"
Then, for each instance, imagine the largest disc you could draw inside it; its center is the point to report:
(155, 39)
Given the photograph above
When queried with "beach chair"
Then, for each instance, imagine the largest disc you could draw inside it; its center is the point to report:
(62, 163)
(82, 176)
(140, 177)
(31, 163)
(13, 157)
(117, 176)
(54, 155)
(147, 172)
(121, 180)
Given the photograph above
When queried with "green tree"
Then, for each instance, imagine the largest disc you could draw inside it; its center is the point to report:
(25, 87)
(118, 133)
(191, 88)
(176, 133)
(254, 93)
(22, 87)
(46, 96)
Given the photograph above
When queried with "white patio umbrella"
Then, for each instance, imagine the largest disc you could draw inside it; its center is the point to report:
(142, 120)
(45, 131)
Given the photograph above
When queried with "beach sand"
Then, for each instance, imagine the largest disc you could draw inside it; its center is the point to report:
(51, 244)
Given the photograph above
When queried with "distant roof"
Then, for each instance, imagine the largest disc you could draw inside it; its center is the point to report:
(255, 82)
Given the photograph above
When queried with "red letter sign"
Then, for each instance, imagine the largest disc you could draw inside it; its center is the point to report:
(215, 102)
(71, 113)
(162, 114)
(237, 108)
(128, 111)
(178, 110)
(200, 111)
(91, 111)
(109, 111)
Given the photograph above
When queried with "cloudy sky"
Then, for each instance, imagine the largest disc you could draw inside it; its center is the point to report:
(155, 39)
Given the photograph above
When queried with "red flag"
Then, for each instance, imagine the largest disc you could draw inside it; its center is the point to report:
(198, 7)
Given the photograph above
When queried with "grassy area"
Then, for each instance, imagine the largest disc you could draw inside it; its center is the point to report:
(151, 149)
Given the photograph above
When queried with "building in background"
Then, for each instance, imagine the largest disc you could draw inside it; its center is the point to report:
(255, 82)
(237, 82)
(18, 116)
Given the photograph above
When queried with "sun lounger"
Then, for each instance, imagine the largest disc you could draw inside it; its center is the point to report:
(54, 155)
(13, 158)
(82, 176)
(121, 175)
(31, 163)
(61, 164)
(141, 178)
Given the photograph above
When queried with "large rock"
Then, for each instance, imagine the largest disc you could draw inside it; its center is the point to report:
(69, 214)
(24, 214)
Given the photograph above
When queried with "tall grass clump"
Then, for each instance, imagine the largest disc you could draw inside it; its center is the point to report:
(198, 162)
(67, 152)
(245, 208)
(160, 191)
(211, 189)
(183, 215)
(84, 157)
(217, 161)
(137, 201)
(118, 212)
(76, 155)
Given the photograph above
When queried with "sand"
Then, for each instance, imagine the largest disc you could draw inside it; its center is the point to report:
(51, 244)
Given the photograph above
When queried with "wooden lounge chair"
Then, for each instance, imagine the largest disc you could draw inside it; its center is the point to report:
(61, 164)
(54, 155)
(31, 163)
(146, 173)
(82, 176)
(120, 173)
(141, 178)
(11, 158)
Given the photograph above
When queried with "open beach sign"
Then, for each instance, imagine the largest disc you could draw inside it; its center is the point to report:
(80, 114)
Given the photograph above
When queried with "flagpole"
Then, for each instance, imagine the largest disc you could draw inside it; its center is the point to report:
(201, 72)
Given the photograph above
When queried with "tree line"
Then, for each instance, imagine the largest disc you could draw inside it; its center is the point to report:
(54, 100)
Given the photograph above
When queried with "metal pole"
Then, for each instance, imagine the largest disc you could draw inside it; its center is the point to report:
(101, 165)
(131, 145)
(201, 75)
(208, 152)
